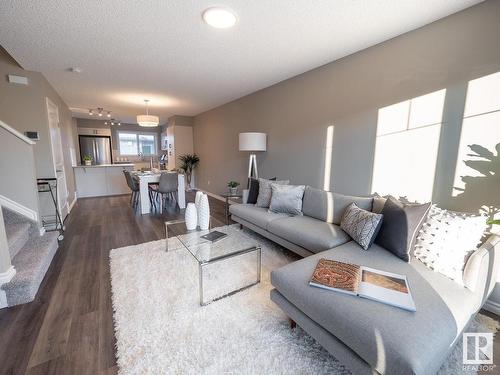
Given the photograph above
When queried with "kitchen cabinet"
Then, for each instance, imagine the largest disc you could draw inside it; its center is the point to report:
(101, 180)
(94, 131)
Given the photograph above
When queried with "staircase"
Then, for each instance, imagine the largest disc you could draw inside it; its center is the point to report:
(31, 255)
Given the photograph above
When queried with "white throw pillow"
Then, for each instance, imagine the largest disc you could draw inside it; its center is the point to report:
(446, 240)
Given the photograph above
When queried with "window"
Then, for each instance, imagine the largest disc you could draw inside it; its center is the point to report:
(407, 145)
(135, 143)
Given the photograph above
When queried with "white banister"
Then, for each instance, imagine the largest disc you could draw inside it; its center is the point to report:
(16, 133)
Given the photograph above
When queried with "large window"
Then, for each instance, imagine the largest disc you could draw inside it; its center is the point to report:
(134, 143)
(407, 146)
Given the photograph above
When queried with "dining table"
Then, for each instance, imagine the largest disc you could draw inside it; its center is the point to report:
(145, 177)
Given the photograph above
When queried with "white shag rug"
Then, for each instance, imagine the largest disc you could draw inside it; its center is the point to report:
(161, 328)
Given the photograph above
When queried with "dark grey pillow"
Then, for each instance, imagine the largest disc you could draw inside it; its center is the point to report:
(361, 225)
(286, 199)
(400, 226)
(253, 190)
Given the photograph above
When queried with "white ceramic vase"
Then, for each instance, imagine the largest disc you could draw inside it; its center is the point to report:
(191, 216)
(197, 198)
(204, 213)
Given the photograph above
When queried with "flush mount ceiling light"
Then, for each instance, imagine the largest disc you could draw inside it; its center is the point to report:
(220, 18)
(148, 120)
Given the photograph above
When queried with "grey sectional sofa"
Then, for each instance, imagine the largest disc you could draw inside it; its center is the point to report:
(369, 337)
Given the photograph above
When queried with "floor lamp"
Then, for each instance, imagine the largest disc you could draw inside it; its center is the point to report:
(252, 142)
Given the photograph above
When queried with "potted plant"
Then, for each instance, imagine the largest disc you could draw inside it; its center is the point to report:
(233, 187)
(188, 163)
(87, 159)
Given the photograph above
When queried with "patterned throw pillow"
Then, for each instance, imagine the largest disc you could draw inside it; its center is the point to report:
(287, 199)
(446, 240)
(361, 225)
(265, 192)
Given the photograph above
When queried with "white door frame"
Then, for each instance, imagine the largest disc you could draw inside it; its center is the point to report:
(64, 207)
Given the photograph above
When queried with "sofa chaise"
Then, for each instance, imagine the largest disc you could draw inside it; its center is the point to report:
(369, 337)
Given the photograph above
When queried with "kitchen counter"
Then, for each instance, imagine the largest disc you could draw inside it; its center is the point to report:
(101, 180)
(104, 165)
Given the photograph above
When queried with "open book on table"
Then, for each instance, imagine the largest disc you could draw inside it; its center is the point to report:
(366, 282)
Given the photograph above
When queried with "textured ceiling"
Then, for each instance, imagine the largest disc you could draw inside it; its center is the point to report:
(162, 50)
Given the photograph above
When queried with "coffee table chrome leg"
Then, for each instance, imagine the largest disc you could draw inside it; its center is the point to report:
(200, 267)
(259, 264)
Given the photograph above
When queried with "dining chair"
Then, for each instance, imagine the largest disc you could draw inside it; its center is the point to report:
(134, 188)
(167, 187)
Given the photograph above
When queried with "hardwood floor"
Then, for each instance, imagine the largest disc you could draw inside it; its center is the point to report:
(68, 328)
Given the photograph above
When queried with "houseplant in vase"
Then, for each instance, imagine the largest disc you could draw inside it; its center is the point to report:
(87, 159)
(233, 187)
(188, 163)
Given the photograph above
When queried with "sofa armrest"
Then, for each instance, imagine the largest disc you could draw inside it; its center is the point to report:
(482, 267)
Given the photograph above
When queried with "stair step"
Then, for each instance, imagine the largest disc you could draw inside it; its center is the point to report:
(17, 236)
(31, 264)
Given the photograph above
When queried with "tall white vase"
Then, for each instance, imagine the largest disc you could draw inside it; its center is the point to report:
(204, 213)
(191, 216)
(197, 198)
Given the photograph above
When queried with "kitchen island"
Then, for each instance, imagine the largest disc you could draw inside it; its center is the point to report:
(101, 180)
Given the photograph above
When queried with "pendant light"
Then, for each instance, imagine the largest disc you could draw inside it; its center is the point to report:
(148, 120)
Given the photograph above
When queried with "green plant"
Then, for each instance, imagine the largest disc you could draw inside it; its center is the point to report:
(87, 158)
(493, 222)
(233, 184)
(188, 163)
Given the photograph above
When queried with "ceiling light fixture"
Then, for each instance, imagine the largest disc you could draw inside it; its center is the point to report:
(148, 120)
(220, 18)
(109, 114)
(91, 112)
(113, 122)
(99, 112)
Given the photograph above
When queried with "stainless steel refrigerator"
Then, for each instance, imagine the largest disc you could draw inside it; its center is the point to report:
(98, 147)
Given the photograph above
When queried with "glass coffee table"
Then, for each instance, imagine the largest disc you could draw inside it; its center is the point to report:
(226, 266)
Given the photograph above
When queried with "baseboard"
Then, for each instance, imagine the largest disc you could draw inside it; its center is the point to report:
(72, 204)
(493, 307)
(18, 208)
(6, 276)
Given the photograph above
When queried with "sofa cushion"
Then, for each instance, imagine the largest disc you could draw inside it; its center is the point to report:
(265, 192)
(286, 199)
(400, 226)
(361, 225)
(309, 233)
(253, 191)
(256, 215)
(318, 204)
(341, 201)
(391, 340)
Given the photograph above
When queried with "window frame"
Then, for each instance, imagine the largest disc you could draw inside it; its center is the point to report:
(137, 134)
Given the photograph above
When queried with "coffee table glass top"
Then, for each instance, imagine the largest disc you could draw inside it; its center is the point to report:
(206, 251)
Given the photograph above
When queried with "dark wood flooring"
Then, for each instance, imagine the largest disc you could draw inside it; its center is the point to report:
(68, 328)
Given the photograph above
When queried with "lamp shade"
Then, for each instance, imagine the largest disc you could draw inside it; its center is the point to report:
(252, 141)
(148, 120)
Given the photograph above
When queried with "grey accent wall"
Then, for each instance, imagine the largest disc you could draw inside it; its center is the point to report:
(347, 94)
(24, 108)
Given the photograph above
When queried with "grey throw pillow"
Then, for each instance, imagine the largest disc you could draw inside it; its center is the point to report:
(287, 199)
(400, 226)
(361, 225)
(265, 192)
